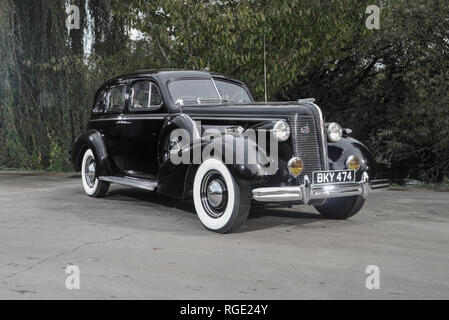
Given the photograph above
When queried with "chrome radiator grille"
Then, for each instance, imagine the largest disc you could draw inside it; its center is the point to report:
(305, 143)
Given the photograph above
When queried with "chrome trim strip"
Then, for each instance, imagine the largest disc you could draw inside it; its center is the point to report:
(307, 191)
(235, 118)
(133, 117)
(145, 118)
(216, 88)
(323, 137)
(124, 118)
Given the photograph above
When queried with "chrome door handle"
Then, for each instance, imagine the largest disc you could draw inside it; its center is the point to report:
(123, 122)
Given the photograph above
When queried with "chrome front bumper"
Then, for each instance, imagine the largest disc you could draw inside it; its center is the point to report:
(308, 191)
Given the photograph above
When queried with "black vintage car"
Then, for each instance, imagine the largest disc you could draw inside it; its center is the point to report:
(131, 141)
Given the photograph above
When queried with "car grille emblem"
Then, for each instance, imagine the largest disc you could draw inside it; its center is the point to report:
(305, 130)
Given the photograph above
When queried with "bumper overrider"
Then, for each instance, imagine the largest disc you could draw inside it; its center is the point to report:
(307, 191)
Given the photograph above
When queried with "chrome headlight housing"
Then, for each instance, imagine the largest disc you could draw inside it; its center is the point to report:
(281, 131)
(334, 132)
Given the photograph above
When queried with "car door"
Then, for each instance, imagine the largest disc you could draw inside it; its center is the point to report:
(113, 128)
(146, 114)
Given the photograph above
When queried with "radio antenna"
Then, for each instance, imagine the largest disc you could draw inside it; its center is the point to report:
(265, 67)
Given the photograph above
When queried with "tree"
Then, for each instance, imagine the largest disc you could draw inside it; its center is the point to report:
(227, 36)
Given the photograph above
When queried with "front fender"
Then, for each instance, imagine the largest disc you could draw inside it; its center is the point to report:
(179, 121)
(339, 152)
(92, 140)
(241, 154)
(226, 147)
(173, 179)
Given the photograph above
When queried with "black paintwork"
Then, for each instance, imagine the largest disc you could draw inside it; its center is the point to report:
(340, 151)
(130, 143)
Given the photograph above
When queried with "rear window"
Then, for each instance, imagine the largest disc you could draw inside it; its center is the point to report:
(101, 103)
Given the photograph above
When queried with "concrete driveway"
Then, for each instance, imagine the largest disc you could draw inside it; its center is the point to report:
(138, 245)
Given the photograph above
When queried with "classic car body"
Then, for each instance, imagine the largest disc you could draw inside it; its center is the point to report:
(130, 141)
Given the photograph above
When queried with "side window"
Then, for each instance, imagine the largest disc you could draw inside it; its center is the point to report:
(156, 97)
(145, 96)
(101, 103)
(117, 98)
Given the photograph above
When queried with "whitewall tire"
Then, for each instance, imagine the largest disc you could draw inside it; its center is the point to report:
(221, 203)
(92, 186)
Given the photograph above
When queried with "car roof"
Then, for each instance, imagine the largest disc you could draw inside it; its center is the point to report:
(164, 75)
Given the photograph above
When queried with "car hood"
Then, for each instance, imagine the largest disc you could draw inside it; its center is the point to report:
(278, 110)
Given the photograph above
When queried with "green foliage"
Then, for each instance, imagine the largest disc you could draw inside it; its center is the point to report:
(57, 153)
(11, 143)
(228, 36)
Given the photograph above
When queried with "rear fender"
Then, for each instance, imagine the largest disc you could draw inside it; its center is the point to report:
(92, 140)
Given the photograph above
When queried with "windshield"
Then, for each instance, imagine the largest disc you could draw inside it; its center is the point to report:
(231, 92)
(204, 91)
(193, 91)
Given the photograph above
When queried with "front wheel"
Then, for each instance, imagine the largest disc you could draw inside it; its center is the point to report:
(341, 208)
(221, 203)
(92, 185)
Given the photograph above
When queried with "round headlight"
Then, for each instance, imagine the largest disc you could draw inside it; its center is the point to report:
(281, 131)
(353, 163)
(334, 132)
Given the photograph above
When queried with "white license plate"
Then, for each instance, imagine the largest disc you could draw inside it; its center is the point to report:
(337, 176)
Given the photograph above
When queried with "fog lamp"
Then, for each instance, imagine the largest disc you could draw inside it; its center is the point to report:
(353, 163)
(295, 166)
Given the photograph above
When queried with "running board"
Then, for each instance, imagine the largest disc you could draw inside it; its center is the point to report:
(149, 185)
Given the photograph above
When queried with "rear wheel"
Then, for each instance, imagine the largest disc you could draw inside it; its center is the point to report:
(341, 208)
(221, 203)
(92, 186)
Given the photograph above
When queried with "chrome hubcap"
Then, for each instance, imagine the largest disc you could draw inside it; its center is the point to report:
(214, 195)
(89, 172)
